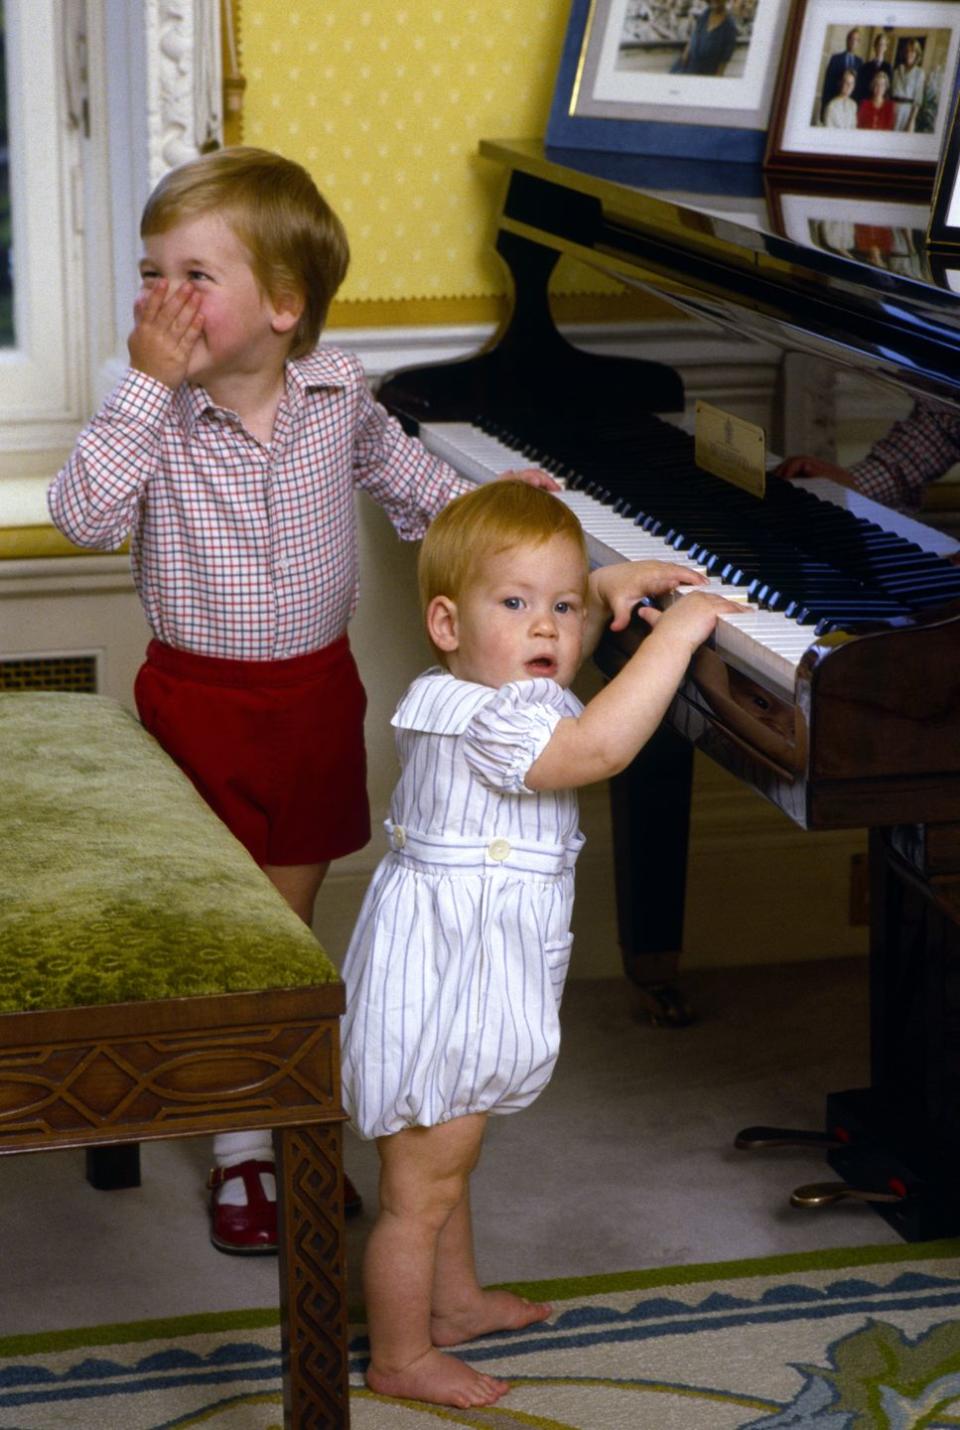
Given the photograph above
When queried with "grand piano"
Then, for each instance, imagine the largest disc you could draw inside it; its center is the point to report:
(836, 692)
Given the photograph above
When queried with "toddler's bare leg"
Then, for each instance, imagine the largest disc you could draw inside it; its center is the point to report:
(423, 1175)
(461, 1308)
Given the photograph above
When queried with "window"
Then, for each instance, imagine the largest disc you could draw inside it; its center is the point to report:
(6, 286)
(41, 357)
(97, 99)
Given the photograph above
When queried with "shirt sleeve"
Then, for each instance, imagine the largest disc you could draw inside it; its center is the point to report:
(509, 733)
(916, 450)
(95, 499)
(399, 473)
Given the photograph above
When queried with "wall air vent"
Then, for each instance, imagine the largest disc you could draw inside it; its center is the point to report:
(76, 672)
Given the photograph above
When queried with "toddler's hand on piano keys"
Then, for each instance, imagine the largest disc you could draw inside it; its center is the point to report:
(692, 618)
(534, 477)
(621, 586)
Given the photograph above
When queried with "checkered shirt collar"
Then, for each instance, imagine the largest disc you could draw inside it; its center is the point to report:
(323, 368)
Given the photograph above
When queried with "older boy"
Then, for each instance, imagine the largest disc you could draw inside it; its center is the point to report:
(230, 452)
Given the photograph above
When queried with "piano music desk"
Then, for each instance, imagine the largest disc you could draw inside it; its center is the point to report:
(153, 984)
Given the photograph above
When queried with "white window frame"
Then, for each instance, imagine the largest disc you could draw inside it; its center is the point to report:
(42, 377)
(144, 80)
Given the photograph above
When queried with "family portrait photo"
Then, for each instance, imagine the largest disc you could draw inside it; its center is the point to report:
(878, 77)
(865, 87)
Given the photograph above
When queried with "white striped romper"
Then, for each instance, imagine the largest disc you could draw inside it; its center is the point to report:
(456, 967)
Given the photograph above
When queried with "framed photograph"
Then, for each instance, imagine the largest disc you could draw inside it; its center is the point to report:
(944, 227)
(682, 78)
(870, 226)
(865, 88)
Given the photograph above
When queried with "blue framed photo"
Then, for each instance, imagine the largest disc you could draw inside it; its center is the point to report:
(683, 78)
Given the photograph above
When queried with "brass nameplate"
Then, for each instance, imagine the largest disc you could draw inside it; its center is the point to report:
(730, 448)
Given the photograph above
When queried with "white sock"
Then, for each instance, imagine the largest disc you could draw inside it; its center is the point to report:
(232, 1148)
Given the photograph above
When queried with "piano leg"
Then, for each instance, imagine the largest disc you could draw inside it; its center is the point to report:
(903, 1132)
(896, 1143)
(650, 809)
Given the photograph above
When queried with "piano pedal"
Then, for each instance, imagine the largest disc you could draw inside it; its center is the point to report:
(662, 1005)
(755, 1139)
(825, 1194)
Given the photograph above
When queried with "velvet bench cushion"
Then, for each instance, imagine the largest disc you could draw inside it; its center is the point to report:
(116, 882)
(154, 984)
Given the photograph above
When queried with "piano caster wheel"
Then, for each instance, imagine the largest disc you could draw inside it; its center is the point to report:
(824, 1194)
(755, 1139)
(663, 1006)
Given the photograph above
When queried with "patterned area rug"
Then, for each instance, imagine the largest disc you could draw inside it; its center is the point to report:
(867, 1339)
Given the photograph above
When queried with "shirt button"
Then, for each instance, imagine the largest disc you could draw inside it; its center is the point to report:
(499, 849)
(399, 836)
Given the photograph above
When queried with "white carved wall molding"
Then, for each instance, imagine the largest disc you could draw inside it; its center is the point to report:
(183, 82)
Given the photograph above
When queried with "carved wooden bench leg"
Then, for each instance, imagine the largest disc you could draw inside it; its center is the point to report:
(310, 1227)
(110, 1169)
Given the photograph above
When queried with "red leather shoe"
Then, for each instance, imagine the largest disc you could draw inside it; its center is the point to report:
(250, 1230)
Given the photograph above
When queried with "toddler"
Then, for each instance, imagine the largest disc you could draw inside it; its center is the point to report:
(456, 968)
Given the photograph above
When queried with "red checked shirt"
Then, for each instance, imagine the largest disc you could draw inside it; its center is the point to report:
(242, 550)
(915, 451)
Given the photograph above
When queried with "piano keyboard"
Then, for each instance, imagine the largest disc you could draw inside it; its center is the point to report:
(765, 644)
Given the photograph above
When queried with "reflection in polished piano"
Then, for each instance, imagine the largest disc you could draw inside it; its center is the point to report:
(836, 692)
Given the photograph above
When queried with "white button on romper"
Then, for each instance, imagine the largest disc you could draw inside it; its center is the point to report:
(456, 967)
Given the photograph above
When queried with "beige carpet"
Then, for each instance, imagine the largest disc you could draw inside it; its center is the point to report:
(864, 1339)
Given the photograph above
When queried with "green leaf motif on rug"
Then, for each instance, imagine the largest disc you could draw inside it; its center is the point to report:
(879, 1379)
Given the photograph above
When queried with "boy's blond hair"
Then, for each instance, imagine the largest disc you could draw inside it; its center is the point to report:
(297, 245)
(482, 523)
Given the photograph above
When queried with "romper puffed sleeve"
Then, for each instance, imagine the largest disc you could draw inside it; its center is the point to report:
(511, 730)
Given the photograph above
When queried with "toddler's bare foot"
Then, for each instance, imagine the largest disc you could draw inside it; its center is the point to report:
(439, 1379)
(489, 1311)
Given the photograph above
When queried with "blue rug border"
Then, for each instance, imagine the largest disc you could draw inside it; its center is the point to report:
(562, 1289)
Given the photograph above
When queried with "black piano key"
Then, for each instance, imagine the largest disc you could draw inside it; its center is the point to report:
(816, 562)
(931, 599)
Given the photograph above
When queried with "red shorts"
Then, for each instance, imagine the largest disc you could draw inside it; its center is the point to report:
(275, 747)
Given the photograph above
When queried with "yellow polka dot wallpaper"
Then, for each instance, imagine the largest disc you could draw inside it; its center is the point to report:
(385, 105)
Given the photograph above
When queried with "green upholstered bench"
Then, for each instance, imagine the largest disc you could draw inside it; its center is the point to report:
(153, 984)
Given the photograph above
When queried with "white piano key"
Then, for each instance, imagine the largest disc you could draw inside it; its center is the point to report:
(470, 451)
(906, 526)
